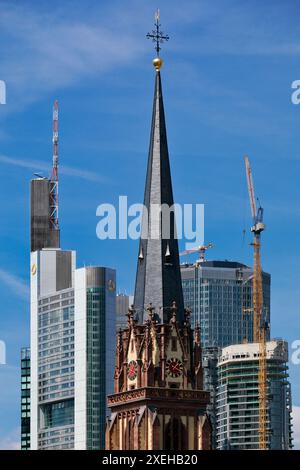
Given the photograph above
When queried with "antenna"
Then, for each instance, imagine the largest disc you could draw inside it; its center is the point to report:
(54, 176)
(55, 141)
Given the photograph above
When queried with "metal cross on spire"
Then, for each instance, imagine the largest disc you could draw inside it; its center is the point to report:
(157, 35)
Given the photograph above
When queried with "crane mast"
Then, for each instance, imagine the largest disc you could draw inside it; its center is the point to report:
(259, 324)
(54, 175)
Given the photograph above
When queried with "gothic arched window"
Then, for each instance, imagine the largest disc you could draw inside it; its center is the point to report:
(175, 435)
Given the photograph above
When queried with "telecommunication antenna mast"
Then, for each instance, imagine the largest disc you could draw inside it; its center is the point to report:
(54, 176)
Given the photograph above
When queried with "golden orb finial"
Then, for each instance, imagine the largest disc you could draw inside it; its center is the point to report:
(158, 62)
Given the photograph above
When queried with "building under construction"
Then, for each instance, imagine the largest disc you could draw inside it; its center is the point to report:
(237, 409)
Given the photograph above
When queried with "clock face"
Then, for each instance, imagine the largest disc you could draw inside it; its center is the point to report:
(132, 370)
(174, 367)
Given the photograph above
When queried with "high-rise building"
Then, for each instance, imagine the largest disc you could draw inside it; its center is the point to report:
(123, 302)
(238, 399)
(72, 350)
(72, 331)
(42, 233)
(25, 399)
(219, 294)
(95, 306)
(52, 349)
(159, 402)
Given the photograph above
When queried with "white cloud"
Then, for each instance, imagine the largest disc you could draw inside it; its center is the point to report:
(50, 49)
(241, 29)
(60, 46)
(15, 283)
(39, 166)
(296, 426)
(11, 440)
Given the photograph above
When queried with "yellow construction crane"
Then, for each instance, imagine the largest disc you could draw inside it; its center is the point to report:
(259, 324)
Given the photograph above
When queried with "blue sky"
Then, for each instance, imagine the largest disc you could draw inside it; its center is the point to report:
(227, 80)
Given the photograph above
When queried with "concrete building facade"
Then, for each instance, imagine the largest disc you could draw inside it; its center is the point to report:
(237, 411)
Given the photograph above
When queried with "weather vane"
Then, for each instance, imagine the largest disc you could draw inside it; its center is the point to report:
(157, 35)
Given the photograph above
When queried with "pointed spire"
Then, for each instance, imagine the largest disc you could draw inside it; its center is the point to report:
(158, 278)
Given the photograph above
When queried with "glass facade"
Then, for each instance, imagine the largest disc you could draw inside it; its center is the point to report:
(219, 294)
(56, 370)
(73, 364)
(25, 399)
(58, 414)
(96, 358)
(101, 318)
(95, 312)
(123, 302)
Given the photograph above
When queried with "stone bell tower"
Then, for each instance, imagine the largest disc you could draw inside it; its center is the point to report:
(158, 401)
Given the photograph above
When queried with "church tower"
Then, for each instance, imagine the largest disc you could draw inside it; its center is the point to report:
(158, 401)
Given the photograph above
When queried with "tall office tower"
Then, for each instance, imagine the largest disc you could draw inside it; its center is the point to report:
(220, 295)
(42, 233)
(25, 399)
(95, 307)
(52, 349)
(158, 402)
(72, 327)
(123, 302)
(237, 397)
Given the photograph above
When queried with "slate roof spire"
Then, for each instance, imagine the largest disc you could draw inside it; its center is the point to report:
(158, 277)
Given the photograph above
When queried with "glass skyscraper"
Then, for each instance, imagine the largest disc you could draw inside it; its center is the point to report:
(72, 350)
(220, 296)
(56, 370)
(95, 307)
